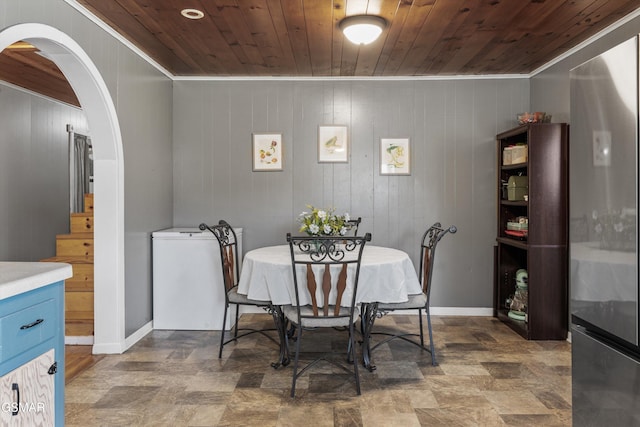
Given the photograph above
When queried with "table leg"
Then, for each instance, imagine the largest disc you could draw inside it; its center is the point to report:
(368, 317)
(281, 327)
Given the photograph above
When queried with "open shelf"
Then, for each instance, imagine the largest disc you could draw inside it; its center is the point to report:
(519, 326)
(514, 166)
(543, 252)
(522, 244)
(523, 203)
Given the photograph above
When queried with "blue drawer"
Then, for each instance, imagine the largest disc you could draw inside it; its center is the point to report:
(27, 328)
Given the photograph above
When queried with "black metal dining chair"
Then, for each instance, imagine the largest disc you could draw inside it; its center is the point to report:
(230, 263)
(420, 301)
(354, 224)
(327, 304)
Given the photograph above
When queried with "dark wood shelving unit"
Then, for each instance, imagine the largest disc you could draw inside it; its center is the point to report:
(543, 253)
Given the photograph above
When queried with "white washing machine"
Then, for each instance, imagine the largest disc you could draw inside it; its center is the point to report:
(187, 280)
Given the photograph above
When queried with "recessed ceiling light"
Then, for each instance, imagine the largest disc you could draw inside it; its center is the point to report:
(192, 13)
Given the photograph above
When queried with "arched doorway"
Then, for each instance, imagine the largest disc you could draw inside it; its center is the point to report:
(98, 106)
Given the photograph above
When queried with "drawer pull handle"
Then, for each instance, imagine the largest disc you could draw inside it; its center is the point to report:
(32, 324)
(15, 388)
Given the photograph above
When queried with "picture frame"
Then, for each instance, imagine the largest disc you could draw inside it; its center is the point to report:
(267, 152)
(333, 144)
(395, 156)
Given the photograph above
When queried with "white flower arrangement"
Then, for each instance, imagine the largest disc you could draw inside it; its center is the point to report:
(324, 222)
(616, 230)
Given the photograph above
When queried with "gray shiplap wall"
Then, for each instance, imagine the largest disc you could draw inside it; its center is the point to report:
(451, 125)
(550, 89)
(143, 100)
(34, 174)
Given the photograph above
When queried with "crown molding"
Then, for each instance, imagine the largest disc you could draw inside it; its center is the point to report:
(93, 18)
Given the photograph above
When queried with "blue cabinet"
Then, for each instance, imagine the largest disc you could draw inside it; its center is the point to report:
(32, 357)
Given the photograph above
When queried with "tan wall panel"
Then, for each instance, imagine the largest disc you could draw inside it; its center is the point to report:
(81, 223)
(78, 305)
(88, 202)
(78, 329)
(74, 247)
(81, 273)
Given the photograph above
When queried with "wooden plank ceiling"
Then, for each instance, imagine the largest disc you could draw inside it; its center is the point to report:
(301, 37)
(21, 65)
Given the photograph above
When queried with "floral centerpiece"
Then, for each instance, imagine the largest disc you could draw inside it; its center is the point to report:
(323, 222)
(616, 229)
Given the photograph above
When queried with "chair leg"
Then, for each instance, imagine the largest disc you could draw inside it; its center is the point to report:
(432, 348)
(352, 345)
(350, 352)
(421, 328)
(295, 362)
(236, 325)
(224, 325)
(281, 326)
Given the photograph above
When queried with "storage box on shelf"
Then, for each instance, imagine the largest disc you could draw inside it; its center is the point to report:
(532, 228)
(517, 187)
(514, 154)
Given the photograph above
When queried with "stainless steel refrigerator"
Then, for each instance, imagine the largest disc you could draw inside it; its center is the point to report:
(603, 236)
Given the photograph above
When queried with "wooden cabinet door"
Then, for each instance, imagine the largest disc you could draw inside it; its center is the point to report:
(35, 387)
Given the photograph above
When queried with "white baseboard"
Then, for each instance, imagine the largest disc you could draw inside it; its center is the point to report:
(251, 309)
(144, 330)
(436, 311)
(109, 348)
(119, 348)
(462, 311)
(138, 335)
(76, 340)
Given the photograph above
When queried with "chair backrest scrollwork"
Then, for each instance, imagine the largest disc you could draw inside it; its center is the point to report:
(227, 240)
(430, 240)
(326, 251)
(354, 224)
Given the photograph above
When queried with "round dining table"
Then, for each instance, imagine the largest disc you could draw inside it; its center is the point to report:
(386, 275)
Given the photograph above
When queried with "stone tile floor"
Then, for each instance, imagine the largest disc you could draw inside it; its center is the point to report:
(487, 376)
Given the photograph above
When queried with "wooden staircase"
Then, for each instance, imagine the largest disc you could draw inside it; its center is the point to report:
(76, 248)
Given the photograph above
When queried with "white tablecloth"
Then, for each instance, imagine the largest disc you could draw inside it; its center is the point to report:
(602, 275)
(386, 275)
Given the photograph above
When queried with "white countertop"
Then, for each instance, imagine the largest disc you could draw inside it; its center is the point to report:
(20, 277)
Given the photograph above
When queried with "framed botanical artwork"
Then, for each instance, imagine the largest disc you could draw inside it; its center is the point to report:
(395, 156)
(333, 144)
(267, 152)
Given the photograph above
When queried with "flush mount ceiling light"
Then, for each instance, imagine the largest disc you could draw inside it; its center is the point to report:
(362, 29)
(192, 13)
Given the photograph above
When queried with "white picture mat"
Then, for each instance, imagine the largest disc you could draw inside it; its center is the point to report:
(395, 156)
(333, 144)
(267, 152)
